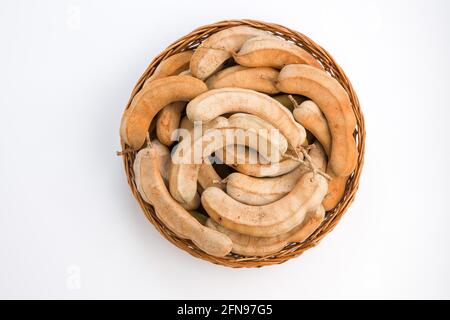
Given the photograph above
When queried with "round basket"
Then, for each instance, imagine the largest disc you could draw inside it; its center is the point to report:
(191, 41)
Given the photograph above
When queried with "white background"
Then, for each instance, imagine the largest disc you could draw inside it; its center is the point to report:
(66, 71)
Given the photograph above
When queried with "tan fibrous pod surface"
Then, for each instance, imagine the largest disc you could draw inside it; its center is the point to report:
(168, 121)
(208, 177)
(216, 102)
(162, 155)
(275, 142)
(272, 52)
(218, 48)
(260, 79)
(279, 126)
(308, 114)
(185, 165)
(183, 172)
(256, 165)
(261, 246)
(171, 213)
(150, 100)
(260, 191)
(268, 220)
(334, 103)
(173, 65)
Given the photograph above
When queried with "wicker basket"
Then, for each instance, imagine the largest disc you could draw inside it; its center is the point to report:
(192, 40)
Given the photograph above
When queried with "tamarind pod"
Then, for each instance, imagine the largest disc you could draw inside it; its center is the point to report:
(261, 191)
(208, 177)
(260, 79)
(168, 120)
(308, 114)
(334, 102)
(275, 142)
(319, 156)
(272, 52)
(163, 162)
(216, 102)
(186, 124)
(183, 175)
(171, 213)
(268, 220)
(163, 159)
(336, 190)
(262, 170)
(192, 204)
(150, 100)
(171, 66)
(255, 164)
(215, 50)
(223, 74)
(258, 246)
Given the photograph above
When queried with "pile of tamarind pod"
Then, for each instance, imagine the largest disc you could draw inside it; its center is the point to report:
(248, 79)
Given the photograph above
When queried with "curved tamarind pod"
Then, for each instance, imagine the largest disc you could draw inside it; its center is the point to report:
(260, 79)
(319, 156)
(193, 204)
(286, 101)
(276, 142)
(258, 246)
(184, 171)
(260, 170)
(336, 190)
(183, 176)
(208, 177)
(150, 100)
(335, 104)
(224, 73)
(272, 52)
(168, 120)
(171, 213)
(171, 66)
(269, 220)
(163, 161)
(216, 102)
(308, 114)
(261, 191)
(215, 50)
(216, 123)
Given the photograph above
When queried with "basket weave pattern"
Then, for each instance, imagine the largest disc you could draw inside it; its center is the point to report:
(191, 41)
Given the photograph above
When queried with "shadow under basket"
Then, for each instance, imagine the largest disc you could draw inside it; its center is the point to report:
(191, 41)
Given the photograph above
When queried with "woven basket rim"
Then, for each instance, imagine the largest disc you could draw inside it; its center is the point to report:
(192, 40)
